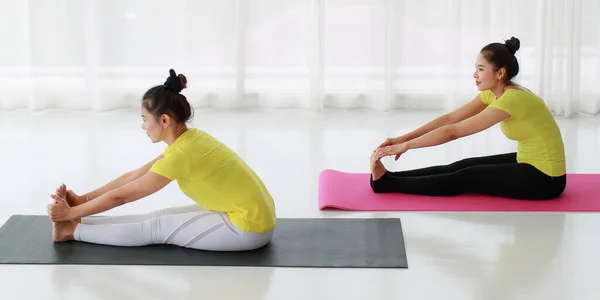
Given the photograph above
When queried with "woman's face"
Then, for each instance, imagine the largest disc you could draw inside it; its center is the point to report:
(485, 77)
(153, 127)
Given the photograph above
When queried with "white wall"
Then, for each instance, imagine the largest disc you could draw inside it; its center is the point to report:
(381, 54)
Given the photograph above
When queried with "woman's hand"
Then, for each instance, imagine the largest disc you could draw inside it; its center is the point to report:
(59, 210)
(397, 150)
(393, 141)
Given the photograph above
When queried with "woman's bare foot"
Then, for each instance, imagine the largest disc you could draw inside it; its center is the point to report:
(63, 231)
(377, 168)
(70, 196)
(74, 199)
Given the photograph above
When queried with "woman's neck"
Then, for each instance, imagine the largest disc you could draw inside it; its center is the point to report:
(179, 130)
(500, 88)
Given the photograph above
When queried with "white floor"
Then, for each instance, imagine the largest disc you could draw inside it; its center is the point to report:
(451, 255)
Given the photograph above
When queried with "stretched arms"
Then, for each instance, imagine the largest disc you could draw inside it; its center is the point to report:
(481, 121)
(143, 186)
(468, 110)
(120, 181)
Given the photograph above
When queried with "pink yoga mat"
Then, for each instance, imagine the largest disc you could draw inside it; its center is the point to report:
(351, 191)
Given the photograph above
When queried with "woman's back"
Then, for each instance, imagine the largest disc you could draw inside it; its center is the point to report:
(534, 128)
(215, 177)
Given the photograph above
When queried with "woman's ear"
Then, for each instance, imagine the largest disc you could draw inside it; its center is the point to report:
(165, 120)
(501, 73)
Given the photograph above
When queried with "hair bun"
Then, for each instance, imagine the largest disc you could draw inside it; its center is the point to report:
(513, 45)
(174, 82)
(183, 80)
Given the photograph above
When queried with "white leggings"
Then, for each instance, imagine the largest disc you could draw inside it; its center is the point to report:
(187, 226)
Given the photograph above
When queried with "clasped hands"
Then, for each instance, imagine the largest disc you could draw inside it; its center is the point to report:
(391, 146)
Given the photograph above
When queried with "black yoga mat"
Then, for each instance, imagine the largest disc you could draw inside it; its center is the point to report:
(326, 243)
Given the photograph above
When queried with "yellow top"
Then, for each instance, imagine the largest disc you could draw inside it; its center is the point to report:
(539, 141)
(217, 179)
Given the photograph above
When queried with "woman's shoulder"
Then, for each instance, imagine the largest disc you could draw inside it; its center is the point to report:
(198, 140)
(193, 135)
(520, 93)
(518, 89)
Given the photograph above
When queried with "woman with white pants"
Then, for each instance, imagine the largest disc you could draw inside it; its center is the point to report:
(233, 211)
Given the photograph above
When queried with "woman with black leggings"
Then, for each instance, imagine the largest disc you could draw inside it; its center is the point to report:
(536, 171)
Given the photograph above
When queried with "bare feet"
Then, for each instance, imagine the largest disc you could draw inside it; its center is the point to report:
(377, 168)
(63, 231)
(70, 196)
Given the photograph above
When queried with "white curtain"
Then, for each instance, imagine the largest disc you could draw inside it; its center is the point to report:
(312, 54)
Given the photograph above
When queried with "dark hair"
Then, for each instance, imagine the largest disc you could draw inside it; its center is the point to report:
(166, 99)
(503, 56)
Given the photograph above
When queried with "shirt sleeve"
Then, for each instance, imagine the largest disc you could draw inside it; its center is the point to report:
(486, 97)
(173, 165)
(510, 104)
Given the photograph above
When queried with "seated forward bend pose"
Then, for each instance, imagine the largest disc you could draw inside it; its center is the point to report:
(536, 171)
(233, 211)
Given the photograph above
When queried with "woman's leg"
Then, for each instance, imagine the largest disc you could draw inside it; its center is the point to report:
(512, 180)
(461, 164)
(204, 230)
(140, 217)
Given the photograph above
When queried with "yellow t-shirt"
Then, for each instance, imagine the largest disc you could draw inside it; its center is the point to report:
(531, 124)
(217, 179)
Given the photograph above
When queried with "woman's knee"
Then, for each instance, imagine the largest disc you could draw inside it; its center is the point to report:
(485, 160)
(173, 211)
(152, 227)
(464, 163)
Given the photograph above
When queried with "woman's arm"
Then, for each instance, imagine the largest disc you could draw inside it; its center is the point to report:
(139, 188)
(466, 111)
(120, 181)
(484, 120)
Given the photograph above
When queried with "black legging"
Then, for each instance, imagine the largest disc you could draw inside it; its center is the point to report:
(497, 175)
